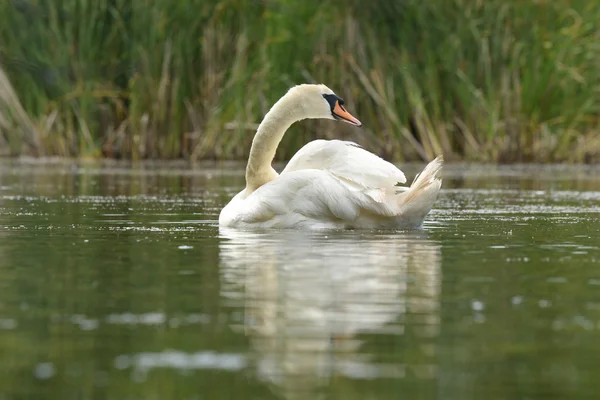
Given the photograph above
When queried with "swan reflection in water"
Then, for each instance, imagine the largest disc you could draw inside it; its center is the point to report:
(308, 296)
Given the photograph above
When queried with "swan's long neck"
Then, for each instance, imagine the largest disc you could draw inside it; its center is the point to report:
(270, 132)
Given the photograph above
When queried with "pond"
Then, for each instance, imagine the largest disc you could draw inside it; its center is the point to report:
(116, 283)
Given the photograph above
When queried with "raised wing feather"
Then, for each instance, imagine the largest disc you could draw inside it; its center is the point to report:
(357, 168)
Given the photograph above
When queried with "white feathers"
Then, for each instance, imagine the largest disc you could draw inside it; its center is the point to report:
(345, 159)
(327, 184)
(334, 184)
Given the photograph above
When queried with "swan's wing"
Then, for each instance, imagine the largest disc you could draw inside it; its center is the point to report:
(357, 168)
(311, 196)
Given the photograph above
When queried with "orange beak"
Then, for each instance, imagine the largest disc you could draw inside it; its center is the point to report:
(340, 112)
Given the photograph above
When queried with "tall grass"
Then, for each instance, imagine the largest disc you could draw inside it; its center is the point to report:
(493, 80)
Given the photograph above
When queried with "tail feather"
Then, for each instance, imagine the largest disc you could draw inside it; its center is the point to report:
(417, 200)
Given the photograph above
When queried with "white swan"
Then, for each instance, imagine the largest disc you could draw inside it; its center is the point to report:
(327, 184)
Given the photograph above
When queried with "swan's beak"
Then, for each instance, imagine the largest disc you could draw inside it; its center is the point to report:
(339, 112)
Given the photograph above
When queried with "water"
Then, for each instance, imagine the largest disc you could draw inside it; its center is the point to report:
(115, 282)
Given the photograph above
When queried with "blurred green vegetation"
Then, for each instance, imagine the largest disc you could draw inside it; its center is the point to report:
(493, 80)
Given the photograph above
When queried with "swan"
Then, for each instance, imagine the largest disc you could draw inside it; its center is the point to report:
(328, 184)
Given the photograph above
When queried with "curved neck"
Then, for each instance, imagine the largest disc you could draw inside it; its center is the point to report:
(270, 132)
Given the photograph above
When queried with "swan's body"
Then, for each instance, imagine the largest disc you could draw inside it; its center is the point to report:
(327, 184)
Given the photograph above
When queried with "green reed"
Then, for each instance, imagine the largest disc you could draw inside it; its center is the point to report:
(493, 80)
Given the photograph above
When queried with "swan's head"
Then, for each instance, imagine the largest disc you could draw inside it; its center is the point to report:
(318, 101)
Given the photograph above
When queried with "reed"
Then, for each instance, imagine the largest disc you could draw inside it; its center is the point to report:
(493, 80)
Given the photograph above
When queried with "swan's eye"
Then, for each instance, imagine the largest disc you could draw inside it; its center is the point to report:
(331, 99)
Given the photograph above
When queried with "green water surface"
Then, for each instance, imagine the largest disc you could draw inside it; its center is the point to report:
(116, 283)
